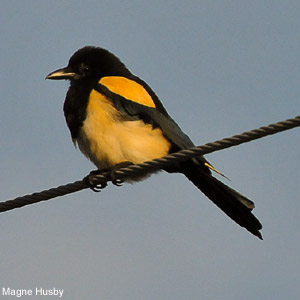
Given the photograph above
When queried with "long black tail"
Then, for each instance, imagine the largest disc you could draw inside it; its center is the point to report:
(234, 204)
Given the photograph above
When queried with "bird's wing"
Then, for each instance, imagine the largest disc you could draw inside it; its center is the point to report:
(145, 109)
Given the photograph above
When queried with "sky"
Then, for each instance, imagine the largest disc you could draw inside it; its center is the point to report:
(220, 68)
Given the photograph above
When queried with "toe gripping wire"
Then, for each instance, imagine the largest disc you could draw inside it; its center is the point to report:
(100, 180)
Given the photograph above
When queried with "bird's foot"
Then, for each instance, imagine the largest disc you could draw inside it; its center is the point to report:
(114, 178)
(93, 181)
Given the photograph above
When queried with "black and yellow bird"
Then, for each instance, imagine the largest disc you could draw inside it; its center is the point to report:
(115, 118)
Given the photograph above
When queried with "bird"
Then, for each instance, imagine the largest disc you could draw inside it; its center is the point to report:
(116, 119)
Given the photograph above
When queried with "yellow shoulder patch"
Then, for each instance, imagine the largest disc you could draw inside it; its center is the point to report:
(128, 89)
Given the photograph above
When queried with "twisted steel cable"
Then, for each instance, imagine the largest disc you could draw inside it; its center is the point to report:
(101, 180)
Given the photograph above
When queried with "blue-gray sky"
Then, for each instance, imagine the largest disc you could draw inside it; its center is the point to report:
(220, 68)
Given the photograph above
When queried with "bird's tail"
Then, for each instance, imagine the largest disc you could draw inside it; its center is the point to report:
(234, 204)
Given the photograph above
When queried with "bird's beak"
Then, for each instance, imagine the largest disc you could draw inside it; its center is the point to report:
(64, 73)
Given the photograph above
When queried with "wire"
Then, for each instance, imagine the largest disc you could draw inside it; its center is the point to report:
(100, 181)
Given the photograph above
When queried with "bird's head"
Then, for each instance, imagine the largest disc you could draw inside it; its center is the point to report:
(90, 63)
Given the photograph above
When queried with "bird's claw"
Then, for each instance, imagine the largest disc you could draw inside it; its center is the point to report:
(118, 181)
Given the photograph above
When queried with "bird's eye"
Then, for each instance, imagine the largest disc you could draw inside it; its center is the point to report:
(84, 68)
